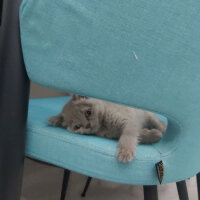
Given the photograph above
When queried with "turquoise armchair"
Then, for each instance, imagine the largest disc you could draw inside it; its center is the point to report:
(138, 53)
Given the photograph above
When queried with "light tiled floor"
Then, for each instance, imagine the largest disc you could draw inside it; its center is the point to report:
(42, 182)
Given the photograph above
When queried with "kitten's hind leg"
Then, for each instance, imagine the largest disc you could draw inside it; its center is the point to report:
(149, 136)
(56, 120)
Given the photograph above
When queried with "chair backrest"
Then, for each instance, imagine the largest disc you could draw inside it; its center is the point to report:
(135, 52)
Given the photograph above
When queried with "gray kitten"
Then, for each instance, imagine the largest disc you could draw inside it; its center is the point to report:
(91, 116)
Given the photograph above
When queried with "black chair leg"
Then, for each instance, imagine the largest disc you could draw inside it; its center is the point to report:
(65, 184)
(182, 190)
(86, 186)
(150, 192)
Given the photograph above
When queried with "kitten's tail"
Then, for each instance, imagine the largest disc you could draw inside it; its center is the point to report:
(156, 123)
(154, 134)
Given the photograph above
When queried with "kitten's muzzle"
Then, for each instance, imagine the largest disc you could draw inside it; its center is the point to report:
(88, 126)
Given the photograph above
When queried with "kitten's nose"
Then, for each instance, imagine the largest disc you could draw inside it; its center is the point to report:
(87, 126)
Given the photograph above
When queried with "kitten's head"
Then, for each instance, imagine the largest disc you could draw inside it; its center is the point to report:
(80, 115)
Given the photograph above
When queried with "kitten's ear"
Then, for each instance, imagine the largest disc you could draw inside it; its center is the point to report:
(76, 97)
(56, 120)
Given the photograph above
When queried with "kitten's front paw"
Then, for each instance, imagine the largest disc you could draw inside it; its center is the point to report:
(125, 154)
(55, 120)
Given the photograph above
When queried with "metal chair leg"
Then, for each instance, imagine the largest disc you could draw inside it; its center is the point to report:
(86, 186)
(150, 192)
(182, 190)
(65, 184)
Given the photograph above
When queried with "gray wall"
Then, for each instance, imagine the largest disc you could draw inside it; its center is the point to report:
(38, 91)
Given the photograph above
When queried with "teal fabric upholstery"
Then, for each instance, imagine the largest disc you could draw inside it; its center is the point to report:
(134, 52)
(89, 155)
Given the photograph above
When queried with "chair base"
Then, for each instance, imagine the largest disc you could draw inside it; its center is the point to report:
(150, 192)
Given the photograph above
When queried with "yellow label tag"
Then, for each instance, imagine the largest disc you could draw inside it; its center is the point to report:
(160, 171)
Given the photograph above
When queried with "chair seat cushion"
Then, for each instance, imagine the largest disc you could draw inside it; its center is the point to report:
(89, 155)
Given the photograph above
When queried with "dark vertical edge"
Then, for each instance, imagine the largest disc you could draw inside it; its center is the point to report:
(182, 190)
(198, 185)
(65, 184)
(83, 194)
(1, 9)
(150, 192)
(14, 93)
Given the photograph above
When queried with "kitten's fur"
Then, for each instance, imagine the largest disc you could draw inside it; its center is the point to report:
(91, 116)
